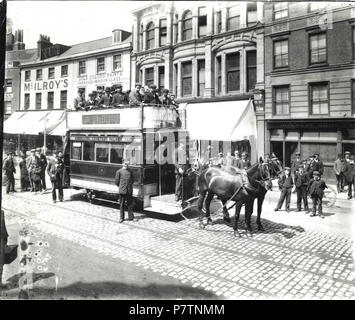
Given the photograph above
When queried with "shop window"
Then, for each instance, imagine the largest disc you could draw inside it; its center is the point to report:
(150, 36)
(233, 72)
(117, 62)
(27, 101)
(82, 68)
(51, 73)
(100, 64)
(28, 75)
(202, 22)
(116, 153)
(63, 99)
(149, 76)
(162, 32)
(280, 10)
(317, 48)
(281, 104)
(186, 77)
(161, 78)
(252, 14)
(201, 78)
(319, 100)
(8, 86)
(50, 100)
(218, 18)
(64, 71)
(8, 107)
(101, 152)
(38, 101)
(39, 74)
(251, 70)
(281, 53)
(233, 20)
(187, 26)
(89, 151)
(76, 151)
(277, 133)
(219, 74)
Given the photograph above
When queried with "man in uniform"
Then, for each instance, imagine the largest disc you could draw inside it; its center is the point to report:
(180, 167)
(244, 162)
(119, 98)
(9, 169)
(124, 181)
(316, 191)
(134, 96)
(55, 170)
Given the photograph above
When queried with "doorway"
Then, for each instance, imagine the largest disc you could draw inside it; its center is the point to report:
(277, 149)
(290, 150)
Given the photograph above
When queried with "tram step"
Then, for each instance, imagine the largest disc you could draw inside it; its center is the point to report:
(164, 207)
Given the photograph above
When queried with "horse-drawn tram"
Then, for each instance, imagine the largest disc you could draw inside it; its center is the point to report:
(100, 140)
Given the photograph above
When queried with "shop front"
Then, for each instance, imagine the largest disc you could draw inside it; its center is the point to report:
(327, 137)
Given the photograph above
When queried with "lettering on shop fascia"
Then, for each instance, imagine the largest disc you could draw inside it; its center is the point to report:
(46, 85)
(115, 76)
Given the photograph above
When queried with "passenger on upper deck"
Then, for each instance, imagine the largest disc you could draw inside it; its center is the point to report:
(90, 103)
(165, 99)
(105, 100)
(79, 101)
(152, 95)
(135, 97)
(119, 97)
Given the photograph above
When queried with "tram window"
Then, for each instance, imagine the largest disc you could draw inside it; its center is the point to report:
(133, 154)
(76, 151)
(101, 152)
(89, 151)
(116, 153)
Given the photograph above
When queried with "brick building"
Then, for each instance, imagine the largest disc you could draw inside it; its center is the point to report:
(309, 80)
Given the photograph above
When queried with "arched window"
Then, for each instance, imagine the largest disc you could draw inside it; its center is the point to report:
(150, 36)
(233, 19)
(187, 26)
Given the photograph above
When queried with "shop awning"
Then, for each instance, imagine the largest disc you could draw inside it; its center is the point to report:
(34, 122)
(221, 121)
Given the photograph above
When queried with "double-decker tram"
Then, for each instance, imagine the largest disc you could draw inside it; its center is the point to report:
(100, 140)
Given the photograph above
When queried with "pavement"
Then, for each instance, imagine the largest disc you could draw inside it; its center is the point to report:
(84, 253)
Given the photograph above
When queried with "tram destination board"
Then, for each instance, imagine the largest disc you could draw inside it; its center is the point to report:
(101, 118)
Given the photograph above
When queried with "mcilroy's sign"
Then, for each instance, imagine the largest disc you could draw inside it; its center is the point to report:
(46, 85)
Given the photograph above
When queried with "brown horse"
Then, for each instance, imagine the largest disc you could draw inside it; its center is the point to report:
(227, 186)
(274, 168)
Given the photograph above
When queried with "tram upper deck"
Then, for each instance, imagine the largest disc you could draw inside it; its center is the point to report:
(127, 117)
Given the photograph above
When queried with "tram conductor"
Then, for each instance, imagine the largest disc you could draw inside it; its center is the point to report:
(124, 181)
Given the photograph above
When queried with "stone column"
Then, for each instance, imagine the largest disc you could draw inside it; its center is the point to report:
(169, 28)
(143, 76)
(243, 14)
(195, 23)
(178, 79)
(260, 59)
(209, 70)
(144, 40)
(260, 11)
(210, 27)
(156, 75)
(224, 19)
(179, 30)
(156, 34)
(223, 75)
(243, 70)
(194, 77)
(133, 72)
(260, 129)
(168, 72)
(135, 34)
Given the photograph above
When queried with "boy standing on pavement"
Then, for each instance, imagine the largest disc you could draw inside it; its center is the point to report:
(316, 191)
(301, 183)
(285, 185)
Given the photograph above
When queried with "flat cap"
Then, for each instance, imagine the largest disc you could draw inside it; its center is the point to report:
(287, 168)
(152, 86)
(165, 91)
(316, 173)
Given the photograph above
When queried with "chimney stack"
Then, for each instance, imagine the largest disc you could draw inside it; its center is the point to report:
(19, 45)
(43, 43)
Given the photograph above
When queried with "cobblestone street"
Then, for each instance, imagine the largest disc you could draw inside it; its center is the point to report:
(286, 261)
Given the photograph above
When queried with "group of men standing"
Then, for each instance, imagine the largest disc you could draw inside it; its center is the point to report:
(32, 172)
(115, 97)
